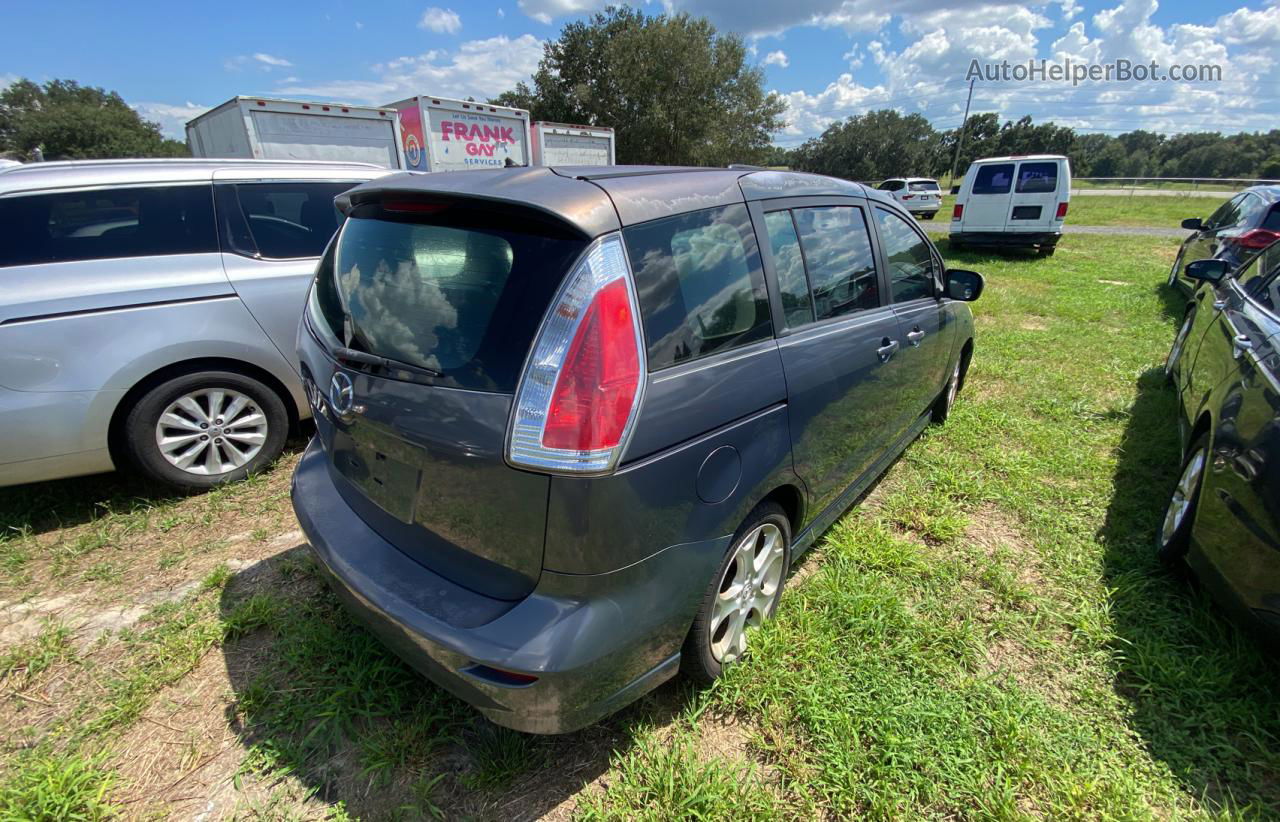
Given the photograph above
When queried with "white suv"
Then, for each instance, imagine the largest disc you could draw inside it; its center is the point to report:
(919, 195)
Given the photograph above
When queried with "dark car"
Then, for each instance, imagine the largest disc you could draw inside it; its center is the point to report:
(575, 424)
(1238, 229)
(1224, 515)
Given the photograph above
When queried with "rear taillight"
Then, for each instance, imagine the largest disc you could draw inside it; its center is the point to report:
(578, 396)
(907, 196)
(1258, 238)
(957, 212)
(1062, 211)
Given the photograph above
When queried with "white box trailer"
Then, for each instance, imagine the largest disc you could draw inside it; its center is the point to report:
(439, 134)
(562, 144)
(261, 128)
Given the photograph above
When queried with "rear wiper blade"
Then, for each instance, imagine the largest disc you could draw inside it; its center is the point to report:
(365, 358)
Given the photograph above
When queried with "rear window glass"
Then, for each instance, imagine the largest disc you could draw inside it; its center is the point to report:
(700, 285)
(1037, 178)
(460, 295)
(924, 185)
(993, 179)
(107, 224)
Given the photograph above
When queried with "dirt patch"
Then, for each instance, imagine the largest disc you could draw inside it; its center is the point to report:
(996, 533)
(1033, 325)
(1114, 282)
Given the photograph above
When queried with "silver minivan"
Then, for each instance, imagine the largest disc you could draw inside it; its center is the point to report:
(150, 309)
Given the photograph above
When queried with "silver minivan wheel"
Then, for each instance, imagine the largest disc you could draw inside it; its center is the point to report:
(211, 431)
(200, 429)
(748, 590)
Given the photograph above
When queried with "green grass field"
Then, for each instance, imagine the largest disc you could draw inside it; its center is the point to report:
(986, 636)
(1146, 212)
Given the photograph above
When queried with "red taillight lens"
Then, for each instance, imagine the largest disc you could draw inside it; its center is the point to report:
(1062, 211)
(583, 380)
(1258, 238)
(957, 212)
(592, 400)
(907, 196)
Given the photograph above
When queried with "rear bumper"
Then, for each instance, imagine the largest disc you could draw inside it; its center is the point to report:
(917, 208)
(595, 642)
(1007, 239)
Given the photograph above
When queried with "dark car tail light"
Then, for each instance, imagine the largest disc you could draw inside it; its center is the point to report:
(1256, 239)
(581, 387)
(1062, 211)
(957, 212)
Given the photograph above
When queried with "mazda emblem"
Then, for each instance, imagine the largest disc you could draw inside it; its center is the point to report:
(342, 395)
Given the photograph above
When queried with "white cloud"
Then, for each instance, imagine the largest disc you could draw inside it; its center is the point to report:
(777, 58)
(172, 118)
(359, 25)
(441, 21)
(260, 60)
(271, 60)
(477, 68)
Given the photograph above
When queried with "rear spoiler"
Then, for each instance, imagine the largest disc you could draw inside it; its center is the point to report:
(583, 208)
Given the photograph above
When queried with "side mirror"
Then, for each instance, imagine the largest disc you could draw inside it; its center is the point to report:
(964, 285)
(1193, 224)
(955, 189)
(1207, 271)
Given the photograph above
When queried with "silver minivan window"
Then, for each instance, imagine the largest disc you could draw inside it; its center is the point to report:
(142, 221)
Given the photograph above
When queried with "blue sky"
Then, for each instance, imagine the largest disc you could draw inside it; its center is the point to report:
(829, 58)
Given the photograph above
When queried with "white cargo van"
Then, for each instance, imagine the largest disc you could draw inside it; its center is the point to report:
(1018, 201)
(440, 134)
(561, 144)
(260, 128)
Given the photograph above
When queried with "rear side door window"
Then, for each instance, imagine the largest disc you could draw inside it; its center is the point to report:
(837, 254)
(142, 221)
(279, 220)
(1037, 178)
(788, 263)
(700, 284)
(912, 270)
(996, 178)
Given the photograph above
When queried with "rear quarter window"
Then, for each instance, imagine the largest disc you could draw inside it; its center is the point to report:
(993, 179)
(700, 284)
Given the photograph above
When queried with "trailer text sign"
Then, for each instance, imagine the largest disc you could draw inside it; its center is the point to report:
(463, 140)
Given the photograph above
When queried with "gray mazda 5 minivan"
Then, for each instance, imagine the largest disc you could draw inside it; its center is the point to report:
(575, 424)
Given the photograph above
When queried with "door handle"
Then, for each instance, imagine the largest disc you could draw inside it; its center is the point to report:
(1241, 343)
(915, 336)
(1219, 305)
(887, 349)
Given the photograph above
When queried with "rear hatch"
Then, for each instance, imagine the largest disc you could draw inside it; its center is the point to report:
(428, 310)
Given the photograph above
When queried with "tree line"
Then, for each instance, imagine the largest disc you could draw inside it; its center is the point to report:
(885, 143)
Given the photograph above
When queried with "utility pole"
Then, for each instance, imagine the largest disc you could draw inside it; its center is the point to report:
(960, 140)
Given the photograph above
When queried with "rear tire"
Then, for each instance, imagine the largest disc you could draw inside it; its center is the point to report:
(1174, 537)
(743, 593)
(947, 400)
(204, 429)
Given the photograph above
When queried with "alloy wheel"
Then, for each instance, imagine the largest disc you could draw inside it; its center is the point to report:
(747, 591)
(953, 387)
(211, 431)
(1183, 497)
